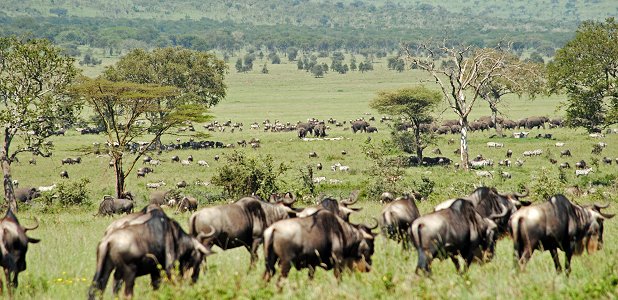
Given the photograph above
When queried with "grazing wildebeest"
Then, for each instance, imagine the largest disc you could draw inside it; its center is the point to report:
(340, 208)
(488, 201)
(64, 174)
(164, 197)
(456, 230)
(187, 203)
(321, 239)
(566, 152)
(386, 197)
(145, 244)
(111, 205)
(240, 224)
(397, 216)
(13, 247)
(557, 224)
(26, 194)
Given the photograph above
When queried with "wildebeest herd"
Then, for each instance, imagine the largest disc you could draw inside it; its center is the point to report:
(149, 242)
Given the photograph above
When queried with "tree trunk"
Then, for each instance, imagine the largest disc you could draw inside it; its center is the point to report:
(119, 172)
(463, 142)
(9, 193)
(494, 119)
(419, 147)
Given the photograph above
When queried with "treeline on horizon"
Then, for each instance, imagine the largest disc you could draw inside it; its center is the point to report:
(205, 34)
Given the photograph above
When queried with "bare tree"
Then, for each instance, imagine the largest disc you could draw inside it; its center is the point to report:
(462, 72)
(521, 77)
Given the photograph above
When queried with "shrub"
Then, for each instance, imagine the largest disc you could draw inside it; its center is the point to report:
(546, 185)
(73, 193)
(243, 176)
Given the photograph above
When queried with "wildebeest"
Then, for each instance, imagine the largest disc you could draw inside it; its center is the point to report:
(145, 244)
(566, 152)
(488, 201)
(240, 224)
(111, 205)
(13, 247)
(456, 230)
(321, 239)
(557, 224)
(340, 208)
(397, 216)
(386, 197)
(164, 197)
(64, 174)
(26, 194)
(187, 203)
(581, 164)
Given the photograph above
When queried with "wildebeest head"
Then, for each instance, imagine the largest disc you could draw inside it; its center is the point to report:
(593, 236)
(361, 261)
(13, 246)
(286, 201)
(515, 198)
(191, 250)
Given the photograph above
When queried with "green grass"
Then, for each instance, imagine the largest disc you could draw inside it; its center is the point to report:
(62, 265)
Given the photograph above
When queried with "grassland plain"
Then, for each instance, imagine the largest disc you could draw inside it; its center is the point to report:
(62, 265)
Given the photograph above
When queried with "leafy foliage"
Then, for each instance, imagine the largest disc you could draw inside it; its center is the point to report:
(34, 77)
(586, 68)
(414, 106)
(244, 176)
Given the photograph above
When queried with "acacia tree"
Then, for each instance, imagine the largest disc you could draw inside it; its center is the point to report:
(121, 106)
(414, 105)
(461, 72)
(197, 76)
(521, 77)
(34, 77)
(586, 68)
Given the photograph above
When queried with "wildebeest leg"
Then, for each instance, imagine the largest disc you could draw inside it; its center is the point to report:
(554, 256)
(567, 264)
(117, 282)
(7, 275)
(253, 252)
(285, 266)
(311, 272)
(155, 280)
(129, 281)
(456, 263)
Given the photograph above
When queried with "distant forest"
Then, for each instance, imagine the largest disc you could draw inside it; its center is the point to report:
(118, 25)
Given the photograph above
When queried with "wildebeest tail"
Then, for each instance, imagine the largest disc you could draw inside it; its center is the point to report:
(103, 270)
(192, 229)
(417, 239)
(389, 223)
(270, 257)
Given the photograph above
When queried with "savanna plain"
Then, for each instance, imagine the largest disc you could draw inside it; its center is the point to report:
(62, 265)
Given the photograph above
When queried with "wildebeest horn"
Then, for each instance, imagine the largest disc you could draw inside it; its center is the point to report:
(33, 227)
(201, 236)
(598, 207)
(374, 226)
(607, 216)
(353, 198)
(289, 200)
(502, 214)
(525, 194)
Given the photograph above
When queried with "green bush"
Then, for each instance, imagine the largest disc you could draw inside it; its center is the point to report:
(243, 176)
(73, 193)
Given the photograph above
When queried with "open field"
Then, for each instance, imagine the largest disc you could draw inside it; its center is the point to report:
(62, 265)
